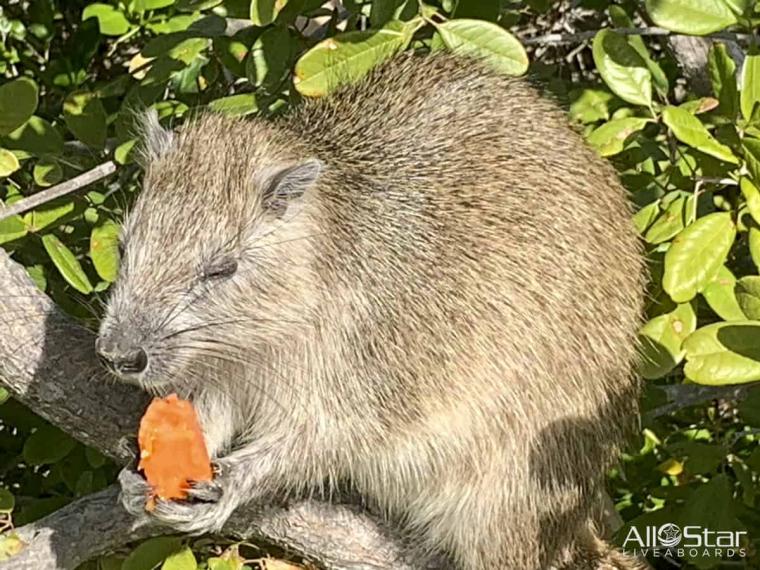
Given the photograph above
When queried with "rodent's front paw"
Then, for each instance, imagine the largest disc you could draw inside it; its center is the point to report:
(193, 517)
(206, 509)
(135, 491)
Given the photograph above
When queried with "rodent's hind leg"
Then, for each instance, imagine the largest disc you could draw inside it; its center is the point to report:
(592, 552)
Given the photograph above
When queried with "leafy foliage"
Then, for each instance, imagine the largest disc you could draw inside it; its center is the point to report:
(74, 71)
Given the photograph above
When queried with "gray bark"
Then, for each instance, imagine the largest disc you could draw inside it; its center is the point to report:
(334, 536)
(692, 52)
(48, 363)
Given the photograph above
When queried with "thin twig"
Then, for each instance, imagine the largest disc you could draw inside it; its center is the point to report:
(97, 173)
(578, 37)
(681, 396)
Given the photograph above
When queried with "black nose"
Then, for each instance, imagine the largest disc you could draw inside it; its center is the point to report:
(121, 359)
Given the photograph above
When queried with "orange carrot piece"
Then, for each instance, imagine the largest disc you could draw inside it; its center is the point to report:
(172, 450)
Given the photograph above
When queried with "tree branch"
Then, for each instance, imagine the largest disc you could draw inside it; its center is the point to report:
(48, 363)
(556, 39)
(84, 179)
(335, 536)
(684, 395)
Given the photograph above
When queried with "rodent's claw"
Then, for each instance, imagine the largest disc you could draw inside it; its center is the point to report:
(205, 491)
(134, 491)
(128, 447)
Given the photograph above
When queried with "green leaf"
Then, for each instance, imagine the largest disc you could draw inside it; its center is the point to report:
(609, 139)
(67, 264)
(645, 216)
(182, 560)
(37, 274)
(487, 41)
(12, 228)
(382, 11)
(95, 459)
(661, 340)
(86, 118)
(232, 54)
(104, 250)
(696, 255)
(690, 130)
(8, 163)
(7, 500)
(700, 457)
(693, 17)
(590, 105)
(187, 51)
(750, 93)
(111, 21)
(621, 20)
(47, 172)
(722, 70)
(701, 105)
(122, 154)
(193, 5)
(145, 5)
(754, 245)
(264, 12)
(749, 408)
(241, 104)
(83, 486)
(35, 137)
(10, 545)
(747, 290)
(347, 57)
(151, 553)
(18, 101)
(751, 148)
(221, 564)
(269, 58)
(47, 445)
(724, 353)
(721, 296)
(48, 213)
(711, 505)
(624, 71)
(670, 222)
(752, 196)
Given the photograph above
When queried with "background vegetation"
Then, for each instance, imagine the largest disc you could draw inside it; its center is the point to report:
(679, 119)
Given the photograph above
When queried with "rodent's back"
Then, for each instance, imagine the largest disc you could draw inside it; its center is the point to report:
(459, 190)
(494, 283)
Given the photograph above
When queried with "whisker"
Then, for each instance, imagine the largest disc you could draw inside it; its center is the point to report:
(290, 240)
(237, 320)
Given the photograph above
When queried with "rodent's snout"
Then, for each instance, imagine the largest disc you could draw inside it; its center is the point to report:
(122, 358)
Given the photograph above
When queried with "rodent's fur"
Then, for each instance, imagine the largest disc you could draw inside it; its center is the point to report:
(436, 300)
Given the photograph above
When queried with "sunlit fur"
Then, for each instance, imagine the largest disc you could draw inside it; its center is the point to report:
(445, 318)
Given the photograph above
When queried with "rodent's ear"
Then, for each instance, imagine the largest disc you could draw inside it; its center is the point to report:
(283, 185)
(155, 140)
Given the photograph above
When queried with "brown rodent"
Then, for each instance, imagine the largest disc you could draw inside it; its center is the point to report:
(426, 285)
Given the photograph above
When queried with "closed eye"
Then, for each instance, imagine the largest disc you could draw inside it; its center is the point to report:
(220, 269)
